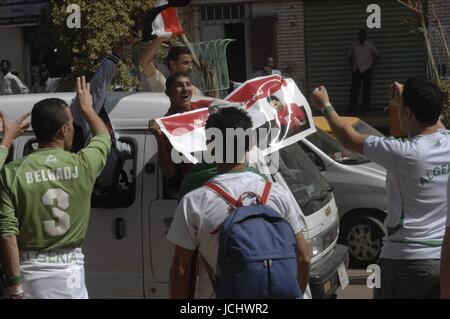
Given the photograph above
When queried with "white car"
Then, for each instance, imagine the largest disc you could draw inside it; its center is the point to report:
(359, 186)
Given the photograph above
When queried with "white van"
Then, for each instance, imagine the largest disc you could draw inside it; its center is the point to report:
(127, 253)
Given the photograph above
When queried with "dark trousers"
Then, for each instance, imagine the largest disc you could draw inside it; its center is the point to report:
(409, 279)
(366, 79)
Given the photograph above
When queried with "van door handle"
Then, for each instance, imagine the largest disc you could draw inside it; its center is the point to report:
(120, 228)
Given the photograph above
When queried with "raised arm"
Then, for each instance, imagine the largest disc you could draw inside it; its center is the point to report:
(11, 130)
(85, 105)
(146, 59)
(101, 82)
(343, 131)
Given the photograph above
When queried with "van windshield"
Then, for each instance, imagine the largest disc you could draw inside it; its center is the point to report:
(308, 186)
(335, 150)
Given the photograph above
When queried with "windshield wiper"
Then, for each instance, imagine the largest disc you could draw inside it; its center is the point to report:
(319, 197)
(323, 193)
(352, 161)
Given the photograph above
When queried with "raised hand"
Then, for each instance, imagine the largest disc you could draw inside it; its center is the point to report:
(154, 128)
(396, 93)
(11, 130)
(84, 97)
(320, 98)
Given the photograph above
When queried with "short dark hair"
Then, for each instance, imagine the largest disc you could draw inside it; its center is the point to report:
(363, 31)
(425, 99)
(175, 52)
(173, 78)
(7, 62)
(272, 98)
(234, 118)
(47, 117)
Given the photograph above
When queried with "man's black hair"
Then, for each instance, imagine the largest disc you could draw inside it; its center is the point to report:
(272, 98)
(175, 52)
(231, 118)
(7, 62)
(425, 99)
(47, 117)
(173, 78)
(363, 31)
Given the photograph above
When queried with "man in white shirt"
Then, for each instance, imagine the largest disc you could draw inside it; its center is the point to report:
(362, 57)
(179, 59)
(417, 173)
(201, 212)
(46, 84)
(11, 84)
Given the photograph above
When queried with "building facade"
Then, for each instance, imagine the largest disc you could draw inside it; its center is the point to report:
(15, 16)
(310, 40)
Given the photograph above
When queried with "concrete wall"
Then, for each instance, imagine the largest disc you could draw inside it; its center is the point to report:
(291, 40)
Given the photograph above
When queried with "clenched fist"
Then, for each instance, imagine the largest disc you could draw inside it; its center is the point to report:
(320, 98)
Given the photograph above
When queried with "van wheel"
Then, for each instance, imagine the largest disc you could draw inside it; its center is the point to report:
(364, 237)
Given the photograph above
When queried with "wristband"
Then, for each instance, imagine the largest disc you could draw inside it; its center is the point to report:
(327, 109)
(13, 281)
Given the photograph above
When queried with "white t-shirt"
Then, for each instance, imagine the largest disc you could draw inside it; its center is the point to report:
(13, 85)
(416, 184)
(363, 55)
(202, 211)
(157, 83)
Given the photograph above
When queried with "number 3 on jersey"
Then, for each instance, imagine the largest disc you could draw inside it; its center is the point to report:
(62, 203)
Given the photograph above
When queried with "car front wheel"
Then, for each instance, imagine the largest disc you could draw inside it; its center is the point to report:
(363, 237)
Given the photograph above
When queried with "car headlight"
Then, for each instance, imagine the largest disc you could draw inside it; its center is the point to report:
(323, 241)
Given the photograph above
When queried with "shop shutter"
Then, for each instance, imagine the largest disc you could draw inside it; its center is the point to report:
(330, 28)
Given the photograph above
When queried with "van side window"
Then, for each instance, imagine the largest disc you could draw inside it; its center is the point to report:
(121, 192)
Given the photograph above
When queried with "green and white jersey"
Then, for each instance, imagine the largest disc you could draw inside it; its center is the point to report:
(3, 155)
(45, 197)
(417, 174)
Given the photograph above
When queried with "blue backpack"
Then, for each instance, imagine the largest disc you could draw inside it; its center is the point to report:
(257, 252)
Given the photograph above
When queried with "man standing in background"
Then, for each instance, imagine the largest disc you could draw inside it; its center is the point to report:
(10, 84)
(362, 57)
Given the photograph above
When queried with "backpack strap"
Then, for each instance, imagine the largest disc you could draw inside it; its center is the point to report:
(224, 194)
(238, 203)
(266, 193)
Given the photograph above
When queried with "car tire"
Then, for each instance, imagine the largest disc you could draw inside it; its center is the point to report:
(363, 236)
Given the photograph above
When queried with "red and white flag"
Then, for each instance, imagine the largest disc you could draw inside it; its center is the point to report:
(271, 101)
(166, 24)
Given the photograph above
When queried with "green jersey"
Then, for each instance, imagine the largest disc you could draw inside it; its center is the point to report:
(45, 197)
(3, 155)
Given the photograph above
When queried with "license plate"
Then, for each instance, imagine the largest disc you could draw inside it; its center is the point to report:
(343, 276)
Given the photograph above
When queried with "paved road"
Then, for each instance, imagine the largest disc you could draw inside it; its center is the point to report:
(357, 289)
